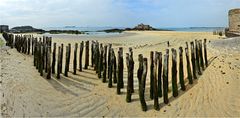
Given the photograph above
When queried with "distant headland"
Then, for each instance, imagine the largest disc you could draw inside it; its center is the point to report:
(30, 29)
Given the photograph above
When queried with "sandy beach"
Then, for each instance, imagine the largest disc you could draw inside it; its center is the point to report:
(214, 94)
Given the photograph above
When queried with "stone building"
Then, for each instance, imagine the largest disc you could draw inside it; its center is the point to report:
(234, 20)
(143, 27)
(4, 28)
(234, 23)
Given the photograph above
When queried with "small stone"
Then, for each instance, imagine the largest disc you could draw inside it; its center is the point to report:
(227, 82)
(164, 110)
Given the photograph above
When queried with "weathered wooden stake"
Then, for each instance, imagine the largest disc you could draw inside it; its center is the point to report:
(40, 59)
(120, 68)
(197, 58)
(151, 75)
(80, 55)
(140, 70)
(104, 64)
(66, 63)
(193, 60)
(29, 45)
(87, 55)
(110, 65)
(92, 54)
(100, 63)
(109, 58)
(54, 58)
(95, 56)
(188, 67)
(131, 61)
(59, 63)
(129, 93)
(75, 59)
(49, 63)
(61, 58)
(174, 73)
(165, 79)
(142, 74)
(69, 55)
(160, 75)
(114, 68)
(181, 72)
(33, 45)
(205, 52)
(155, 82)
(201, 54)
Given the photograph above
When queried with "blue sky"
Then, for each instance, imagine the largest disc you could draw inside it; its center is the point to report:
(116, 13)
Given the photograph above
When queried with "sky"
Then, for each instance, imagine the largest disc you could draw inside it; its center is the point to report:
(116, 13)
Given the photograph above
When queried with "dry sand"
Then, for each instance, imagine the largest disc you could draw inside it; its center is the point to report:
(215, 93)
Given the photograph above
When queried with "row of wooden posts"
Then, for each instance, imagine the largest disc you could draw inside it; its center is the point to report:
(106, 65)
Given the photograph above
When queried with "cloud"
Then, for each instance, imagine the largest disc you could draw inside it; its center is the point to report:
(160, 13)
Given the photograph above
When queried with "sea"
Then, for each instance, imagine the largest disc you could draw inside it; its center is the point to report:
(97, 31)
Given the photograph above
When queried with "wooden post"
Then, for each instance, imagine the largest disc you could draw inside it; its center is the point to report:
(181, 72)
(104, 64)
(80, 55)
(96, 52)
(188, 67)
(193, 60)
(92, 54)
(110, 70)
(140, 70)
(49, 63)
(160, 75)
(109, 58)
(143, 76)
(59, 63)
(40, 56)
(54, 58)
(87, 55)
(45, 57)
(201, 54)
(151, 75)
(165, 79)
(114, 68)
(61, 58)
(129, 93)
(100, 63)
(35, 53)
(131, 69)
(120, 68)
(174, 73)
(155, 82)
(33, 45)
(205, 52)
(75, 59)
(197, 58)
(69, 55)
(66, 63)
(29, 46)
(40, 59)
